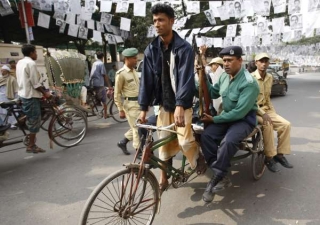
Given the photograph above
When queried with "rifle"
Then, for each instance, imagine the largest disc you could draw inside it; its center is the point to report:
(203, 89)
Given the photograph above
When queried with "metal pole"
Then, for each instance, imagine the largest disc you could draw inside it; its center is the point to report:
(25, 21)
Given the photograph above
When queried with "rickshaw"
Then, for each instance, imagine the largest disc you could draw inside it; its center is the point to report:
(67, 72)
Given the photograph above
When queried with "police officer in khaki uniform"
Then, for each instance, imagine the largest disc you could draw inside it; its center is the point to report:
(127, 87)
(270, 120)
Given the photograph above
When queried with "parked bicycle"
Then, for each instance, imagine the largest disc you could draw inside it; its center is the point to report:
(132, 195)
(67, 126)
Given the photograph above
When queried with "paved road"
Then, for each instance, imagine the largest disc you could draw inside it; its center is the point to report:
(51, 188)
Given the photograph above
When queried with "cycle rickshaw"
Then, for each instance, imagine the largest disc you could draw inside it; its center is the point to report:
(66, 75)
(132, 195)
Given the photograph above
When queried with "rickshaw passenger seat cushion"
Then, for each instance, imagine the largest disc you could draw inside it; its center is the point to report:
(7, 104)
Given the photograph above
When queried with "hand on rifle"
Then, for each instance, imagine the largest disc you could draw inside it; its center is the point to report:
(206, 118)
(203, 49)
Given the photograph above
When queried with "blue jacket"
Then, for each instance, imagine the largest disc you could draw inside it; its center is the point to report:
(182, 74)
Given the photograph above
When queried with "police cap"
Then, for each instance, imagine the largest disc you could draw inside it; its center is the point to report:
(231, 51)
(130, 52)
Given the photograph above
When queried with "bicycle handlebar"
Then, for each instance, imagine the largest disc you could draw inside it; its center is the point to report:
(151, 127)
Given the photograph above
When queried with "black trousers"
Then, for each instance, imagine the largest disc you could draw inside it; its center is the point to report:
(219, 143)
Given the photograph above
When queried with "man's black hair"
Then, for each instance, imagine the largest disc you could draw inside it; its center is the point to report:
(113, 65)
(100, 55)
(27, 49)
(163, 8)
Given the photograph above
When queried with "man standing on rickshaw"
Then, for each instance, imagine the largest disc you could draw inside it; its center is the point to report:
(270, 120)
(221, 138)
(167, 79)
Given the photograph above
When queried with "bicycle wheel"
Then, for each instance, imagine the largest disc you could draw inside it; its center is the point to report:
(257, 159)
(113, 201)
(114, 112)
(68, 128)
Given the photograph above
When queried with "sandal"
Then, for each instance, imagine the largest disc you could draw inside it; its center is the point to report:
(35, 149)
(201, 165)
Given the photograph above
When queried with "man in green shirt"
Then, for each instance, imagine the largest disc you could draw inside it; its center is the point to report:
(239, 92)
(112, 74)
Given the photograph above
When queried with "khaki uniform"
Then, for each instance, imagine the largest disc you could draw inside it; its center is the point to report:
(281, 125)
(127, 86)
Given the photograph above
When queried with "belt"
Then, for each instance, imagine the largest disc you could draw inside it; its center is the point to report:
(131, 98)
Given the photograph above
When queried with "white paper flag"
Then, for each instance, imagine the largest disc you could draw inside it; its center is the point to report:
(230, 5)
(231, 30)
(111, 39)
(83, 33)
(43, 20)
(266, 40)
(227, 41)
(279, 6)
(223, 12)
(262, 27)
(237, 41)
(122, 7)
(85, 15)
(71, 18)
(217, 42)
(118, 39)
(105, 6)
(205, 30)
(100, 27)
(151, 31)
(105, 18)
(278, 25)
(313, 5)
(213, 6)
(247, 29)
(46, 5)
(73, 30)
(209, 42)
(62, 26)
(210, 17)
(183, 33)
(296, 21)
(75, 6)
(90, 24)
(125, 24)
(90, 6)
(294, 6)
(193, 7)
(139, 9)
(97, 36)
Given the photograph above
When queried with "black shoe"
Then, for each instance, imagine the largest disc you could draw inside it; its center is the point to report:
(123, 147)
(222, 184)
(210, 191)
(283, 161)
(272, 165)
